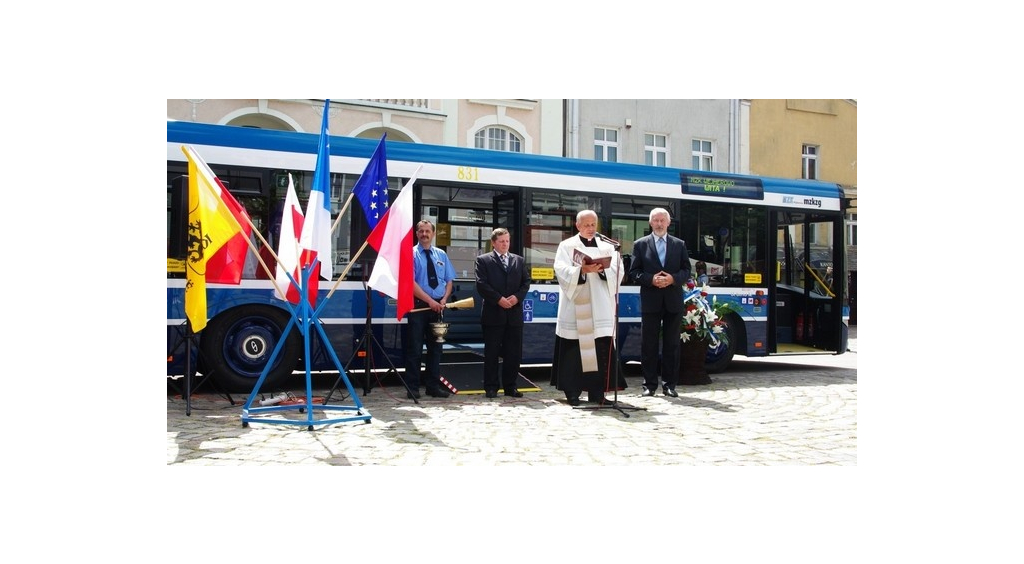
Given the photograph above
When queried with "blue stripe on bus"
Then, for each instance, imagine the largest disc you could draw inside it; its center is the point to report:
(271, 140)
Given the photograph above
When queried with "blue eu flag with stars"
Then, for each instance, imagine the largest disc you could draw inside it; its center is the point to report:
(372, 187)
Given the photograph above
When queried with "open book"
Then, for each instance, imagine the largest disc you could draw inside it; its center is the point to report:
(591, 255)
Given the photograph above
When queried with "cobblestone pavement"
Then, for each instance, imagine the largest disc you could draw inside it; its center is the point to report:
(778, 411)
(761, 464)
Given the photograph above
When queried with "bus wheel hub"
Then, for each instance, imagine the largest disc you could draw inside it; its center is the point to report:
(254, 347)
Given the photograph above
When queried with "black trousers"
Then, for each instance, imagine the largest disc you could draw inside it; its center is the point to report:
(417, 332)
(567, 368)
(662, 328)
(505, 341)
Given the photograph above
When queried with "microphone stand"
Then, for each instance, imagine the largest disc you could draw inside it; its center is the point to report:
(612, 346)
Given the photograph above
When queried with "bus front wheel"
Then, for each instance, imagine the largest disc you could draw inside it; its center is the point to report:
(238, 344)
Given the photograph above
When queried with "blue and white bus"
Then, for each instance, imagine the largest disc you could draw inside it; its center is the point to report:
(774, 248)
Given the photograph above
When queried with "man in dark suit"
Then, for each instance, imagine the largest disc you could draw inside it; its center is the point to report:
(661, 266)
(502, 282)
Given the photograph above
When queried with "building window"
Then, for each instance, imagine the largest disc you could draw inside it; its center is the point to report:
(810, 162)
(606, 144)
(655, 149)
(851, 229)
(703, 158)
(498, 139)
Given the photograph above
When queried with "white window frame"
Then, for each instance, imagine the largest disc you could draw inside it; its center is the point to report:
(652, 151)
(810, 162)
(702, 154)
(496, 138)
(609, 150)
(851, 229)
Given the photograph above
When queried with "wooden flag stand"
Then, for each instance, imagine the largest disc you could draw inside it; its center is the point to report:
(304, 318)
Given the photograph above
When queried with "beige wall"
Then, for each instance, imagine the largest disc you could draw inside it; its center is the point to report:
(420, 120)
(522, 116)
(780, 128)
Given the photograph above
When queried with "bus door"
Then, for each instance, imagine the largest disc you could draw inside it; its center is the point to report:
(807, 291)
(506, 214)
(464, 217)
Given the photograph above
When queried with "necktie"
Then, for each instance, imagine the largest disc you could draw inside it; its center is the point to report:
(504, 262)
(431, 271)
(661, 250)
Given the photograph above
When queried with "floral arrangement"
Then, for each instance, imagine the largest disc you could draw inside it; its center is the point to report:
(702, 319)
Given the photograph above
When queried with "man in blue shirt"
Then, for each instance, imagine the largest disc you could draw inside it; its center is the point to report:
(433, 274)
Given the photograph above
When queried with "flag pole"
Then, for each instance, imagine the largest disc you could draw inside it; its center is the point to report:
(365, 243)
(347, 268)
(337, 221)
(352, 261)
(191, 151)
(270, 275)
(379, 158)
(252, 247)
(351, 195)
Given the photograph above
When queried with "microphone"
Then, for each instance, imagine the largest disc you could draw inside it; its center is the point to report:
(608, 239)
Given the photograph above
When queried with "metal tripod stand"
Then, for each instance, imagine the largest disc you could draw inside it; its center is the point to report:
(365, 345)
(189, 339)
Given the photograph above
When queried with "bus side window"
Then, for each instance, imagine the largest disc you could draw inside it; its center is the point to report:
(177, 226)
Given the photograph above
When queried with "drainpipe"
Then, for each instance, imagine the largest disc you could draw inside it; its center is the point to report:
(734, 135)
(572, 112)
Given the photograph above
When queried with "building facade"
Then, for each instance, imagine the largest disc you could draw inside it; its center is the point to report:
(531, 126)
(693, 134)
(817, 139)
(805, 139)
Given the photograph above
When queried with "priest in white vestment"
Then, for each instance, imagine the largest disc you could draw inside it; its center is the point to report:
(584, 356)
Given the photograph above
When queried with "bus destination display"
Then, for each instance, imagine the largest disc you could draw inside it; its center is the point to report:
(722, 186)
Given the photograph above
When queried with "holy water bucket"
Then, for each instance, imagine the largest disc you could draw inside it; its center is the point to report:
(439, 329)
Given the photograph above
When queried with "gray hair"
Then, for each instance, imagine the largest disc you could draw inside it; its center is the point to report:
(659, 211)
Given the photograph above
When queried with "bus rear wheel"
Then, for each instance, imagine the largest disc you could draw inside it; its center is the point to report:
(238, 344)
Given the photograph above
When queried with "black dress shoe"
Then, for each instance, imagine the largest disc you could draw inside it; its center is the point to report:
(647, 392)
(600, 401)
(573, 401)
(514, 393)
(413, 395)
(438, 393)
(670, 392)
(492, 393)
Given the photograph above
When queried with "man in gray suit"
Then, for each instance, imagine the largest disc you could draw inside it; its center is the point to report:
(502, 282)
(661, 267)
